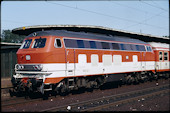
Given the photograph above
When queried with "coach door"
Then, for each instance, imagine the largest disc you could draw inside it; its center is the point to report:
(70, 62)
(160, 63)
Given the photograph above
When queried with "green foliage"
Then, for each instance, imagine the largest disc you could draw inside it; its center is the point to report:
(8, 36)
(167, 36)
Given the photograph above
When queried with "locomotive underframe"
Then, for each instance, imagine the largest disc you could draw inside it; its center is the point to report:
(36, 84)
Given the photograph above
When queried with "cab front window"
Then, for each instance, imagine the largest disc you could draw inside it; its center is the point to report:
(39, 43)
(26, 44)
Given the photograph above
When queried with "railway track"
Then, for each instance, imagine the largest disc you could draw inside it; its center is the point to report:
(113, 100)
(17, 101)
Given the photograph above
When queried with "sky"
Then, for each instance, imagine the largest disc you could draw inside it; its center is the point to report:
(139, 16)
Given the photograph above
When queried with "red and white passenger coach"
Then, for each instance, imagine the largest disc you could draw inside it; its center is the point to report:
(61, 61)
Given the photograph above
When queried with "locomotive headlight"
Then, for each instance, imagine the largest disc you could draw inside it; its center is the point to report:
(19, 67)
(22, 67)
(38, 67)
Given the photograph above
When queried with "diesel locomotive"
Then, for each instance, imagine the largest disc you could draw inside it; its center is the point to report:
(61, 61)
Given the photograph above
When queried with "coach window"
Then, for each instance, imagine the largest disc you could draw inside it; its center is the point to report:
(160, 56)
(57, 43)
(165, 56)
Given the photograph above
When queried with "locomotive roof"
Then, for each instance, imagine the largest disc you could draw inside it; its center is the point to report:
(65, 33)
(92, 29)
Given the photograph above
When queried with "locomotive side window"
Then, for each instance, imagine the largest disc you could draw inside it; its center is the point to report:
(133, 47)
(115, 46)
(70, 43)
(122, 46)
(80, 43)
(140, 48)
(39, 43)
(57, 43)
(160, 56)
(148, 48)
(105, 45)
(98, 45)
(92, 44)
(86, 44)
(165, 56)
(26, 44)
(127, 47)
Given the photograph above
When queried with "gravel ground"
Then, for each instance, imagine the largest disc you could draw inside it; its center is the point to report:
(109, 89)
(158, 103)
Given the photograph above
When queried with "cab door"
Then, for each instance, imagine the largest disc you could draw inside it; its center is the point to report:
(70, 62)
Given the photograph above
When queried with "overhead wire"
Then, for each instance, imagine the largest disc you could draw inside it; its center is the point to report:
(153, 5)
(144, 21)
(136, 9)
(107, 15)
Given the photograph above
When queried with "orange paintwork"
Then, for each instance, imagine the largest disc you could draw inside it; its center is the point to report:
(50, 54)
(53, 80)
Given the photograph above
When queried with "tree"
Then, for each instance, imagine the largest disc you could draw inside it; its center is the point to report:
(8, 36)
(167, 36)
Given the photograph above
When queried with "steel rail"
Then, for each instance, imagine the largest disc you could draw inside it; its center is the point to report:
(95, 103)
(121, 102)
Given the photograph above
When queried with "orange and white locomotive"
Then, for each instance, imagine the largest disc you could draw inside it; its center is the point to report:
(62, 60)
